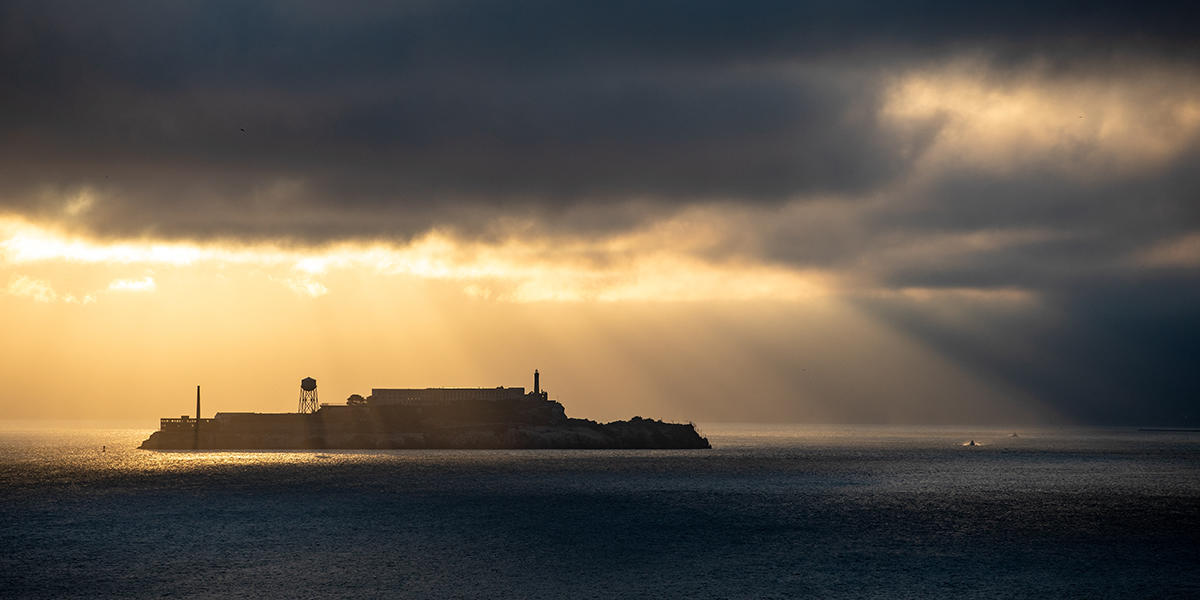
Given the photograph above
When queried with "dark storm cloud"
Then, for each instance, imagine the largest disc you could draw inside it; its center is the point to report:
(266, 119)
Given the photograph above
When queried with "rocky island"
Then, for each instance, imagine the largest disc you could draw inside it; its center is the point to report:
(475, 418)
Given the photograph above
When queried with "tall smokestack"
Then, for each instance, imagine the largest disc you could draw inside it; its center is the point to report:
(537, 385)
(196, 430)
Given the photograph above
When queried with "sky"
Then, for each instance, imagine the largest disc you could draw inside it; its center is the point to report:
(834, 212)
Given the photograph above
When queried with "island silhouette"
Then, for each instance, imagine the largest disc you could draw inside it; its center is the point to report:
(479, 418)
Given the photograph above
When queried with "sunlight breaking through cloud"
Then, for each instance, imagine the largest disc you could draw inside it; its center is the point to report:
(41, 291)
(306, 287)
(642, 266)
(1082, 127)
(36, 289)
(145, 284)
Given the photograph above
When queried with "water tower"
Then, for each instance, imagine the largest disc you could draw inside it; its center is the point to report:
(308, 395)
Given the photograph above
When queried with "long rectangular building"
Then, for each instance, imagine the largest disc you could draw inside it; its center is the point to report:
(441, 396)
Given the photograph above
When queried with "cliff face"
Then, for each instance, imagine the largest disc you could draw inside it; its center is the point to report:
(523, 425)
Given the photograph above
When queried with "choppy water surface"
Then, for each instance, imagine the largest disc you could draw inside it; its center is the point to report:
(823, 512)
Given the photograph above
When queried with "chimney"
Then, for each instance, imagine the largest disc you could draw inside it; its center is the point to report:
(196, 430)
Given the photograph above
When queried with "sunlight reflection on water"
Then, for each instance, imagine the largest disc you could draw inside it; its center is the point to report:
(771, 511)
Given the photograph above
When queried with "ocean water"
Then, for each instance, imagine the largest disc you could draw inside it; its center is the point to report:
(770, 512)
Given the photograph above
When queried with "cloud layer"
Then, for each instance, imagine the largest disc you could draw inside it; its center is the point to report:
(1014, 185)
(295, 119)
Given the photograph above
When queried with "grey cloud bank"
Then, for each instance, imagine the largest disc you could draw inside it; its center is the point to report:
(396, 116)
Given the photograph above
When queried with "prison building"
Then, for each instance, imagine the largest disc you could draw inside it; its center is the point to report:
(184, 423)
(442, 396)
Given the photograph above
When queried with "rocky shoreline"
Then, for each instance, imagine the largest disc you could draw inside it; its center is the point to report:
(636, 433)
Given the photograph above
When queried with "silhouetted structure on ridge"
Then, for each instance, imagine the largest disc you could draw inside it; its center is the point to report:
(308, 396)
(499, 417)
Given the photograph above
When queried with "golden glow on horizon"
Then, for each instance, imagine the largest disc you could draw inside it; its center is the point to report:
(126, 328)
(644, 266)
